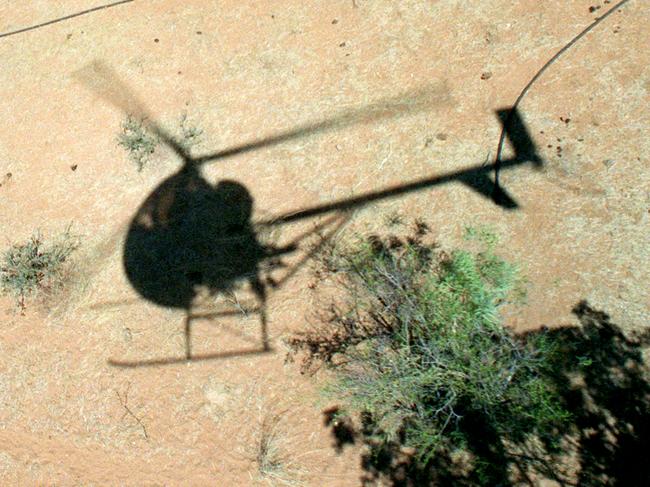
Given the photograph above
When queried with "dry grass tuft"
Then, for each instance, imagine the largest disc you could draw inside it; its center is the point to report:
(268, 449)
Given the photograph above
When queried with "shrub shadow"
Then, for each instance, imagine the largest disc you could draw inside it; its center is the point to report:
(603, 382)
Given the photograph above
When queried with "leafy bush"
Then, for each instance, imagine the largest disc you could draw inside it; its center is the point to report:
(419, 351)
(135, 139)
(32, 267)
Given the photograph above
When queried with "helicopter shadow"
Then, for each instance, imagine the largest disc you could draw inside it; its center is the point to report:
(190, 237)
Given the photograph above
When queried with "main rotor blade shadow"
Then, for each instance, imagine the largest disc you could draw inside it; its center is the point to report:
(422, 99)
(103, 80)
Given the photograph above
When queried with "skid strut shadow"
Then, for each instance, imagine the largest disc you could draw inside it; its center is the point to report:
(191, 236)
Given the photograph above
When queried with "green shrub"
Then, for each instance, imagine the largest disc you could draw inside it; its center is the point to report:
(137, 141)
(418, 348)
(33, 267)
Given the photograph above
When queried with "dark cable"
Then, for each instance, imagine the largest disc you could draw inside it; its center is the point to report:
(84, 12)
(507, 121)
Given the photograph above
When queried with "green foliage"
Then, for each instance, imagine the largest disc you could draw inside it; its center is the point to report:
(33, 267)
(418, 346)
(137, 141)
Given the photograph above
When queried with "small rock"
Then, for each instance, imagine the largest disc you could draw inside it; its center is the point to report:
(335, 21)
(609, 163)
(486, 75)
(74, 167)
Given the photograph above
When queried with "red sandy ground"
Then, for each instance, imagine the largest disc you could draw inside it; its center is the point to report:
(245, 70)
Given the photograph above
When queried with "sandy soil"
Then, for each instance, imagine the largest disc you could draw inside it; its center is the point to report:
(243, 71)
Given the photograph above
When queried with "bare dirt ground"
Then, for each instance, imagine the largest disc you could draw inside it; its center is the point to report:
(248, 70)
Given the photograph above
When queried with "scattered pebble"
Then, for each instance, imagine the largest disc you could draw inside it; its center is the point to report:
(609, 163)
(441, 136)
(6, 178)
(486, 75)
(156, 40)
(335, 21)
(342, 44)
(74, 167)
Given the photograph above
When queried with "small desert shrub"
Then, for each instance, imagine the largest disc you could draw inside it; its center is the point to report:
(137, 141)
(34, 267)
(418, 349)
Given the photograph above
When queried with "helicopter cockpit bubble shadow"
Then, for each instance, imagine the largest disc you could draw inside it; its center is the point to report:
(189, 235)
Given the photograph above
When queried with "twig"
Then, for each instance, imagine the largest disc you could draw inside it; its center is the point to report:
(61, 19)
(128, 411)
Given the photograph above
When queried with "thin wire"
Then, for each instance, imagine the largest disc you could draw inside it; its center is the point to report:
(506, 123)
(61, 19)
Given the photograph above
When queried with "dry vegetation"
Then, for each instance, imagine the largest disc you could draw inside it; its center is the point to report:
(377, 93)
(36, 269)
